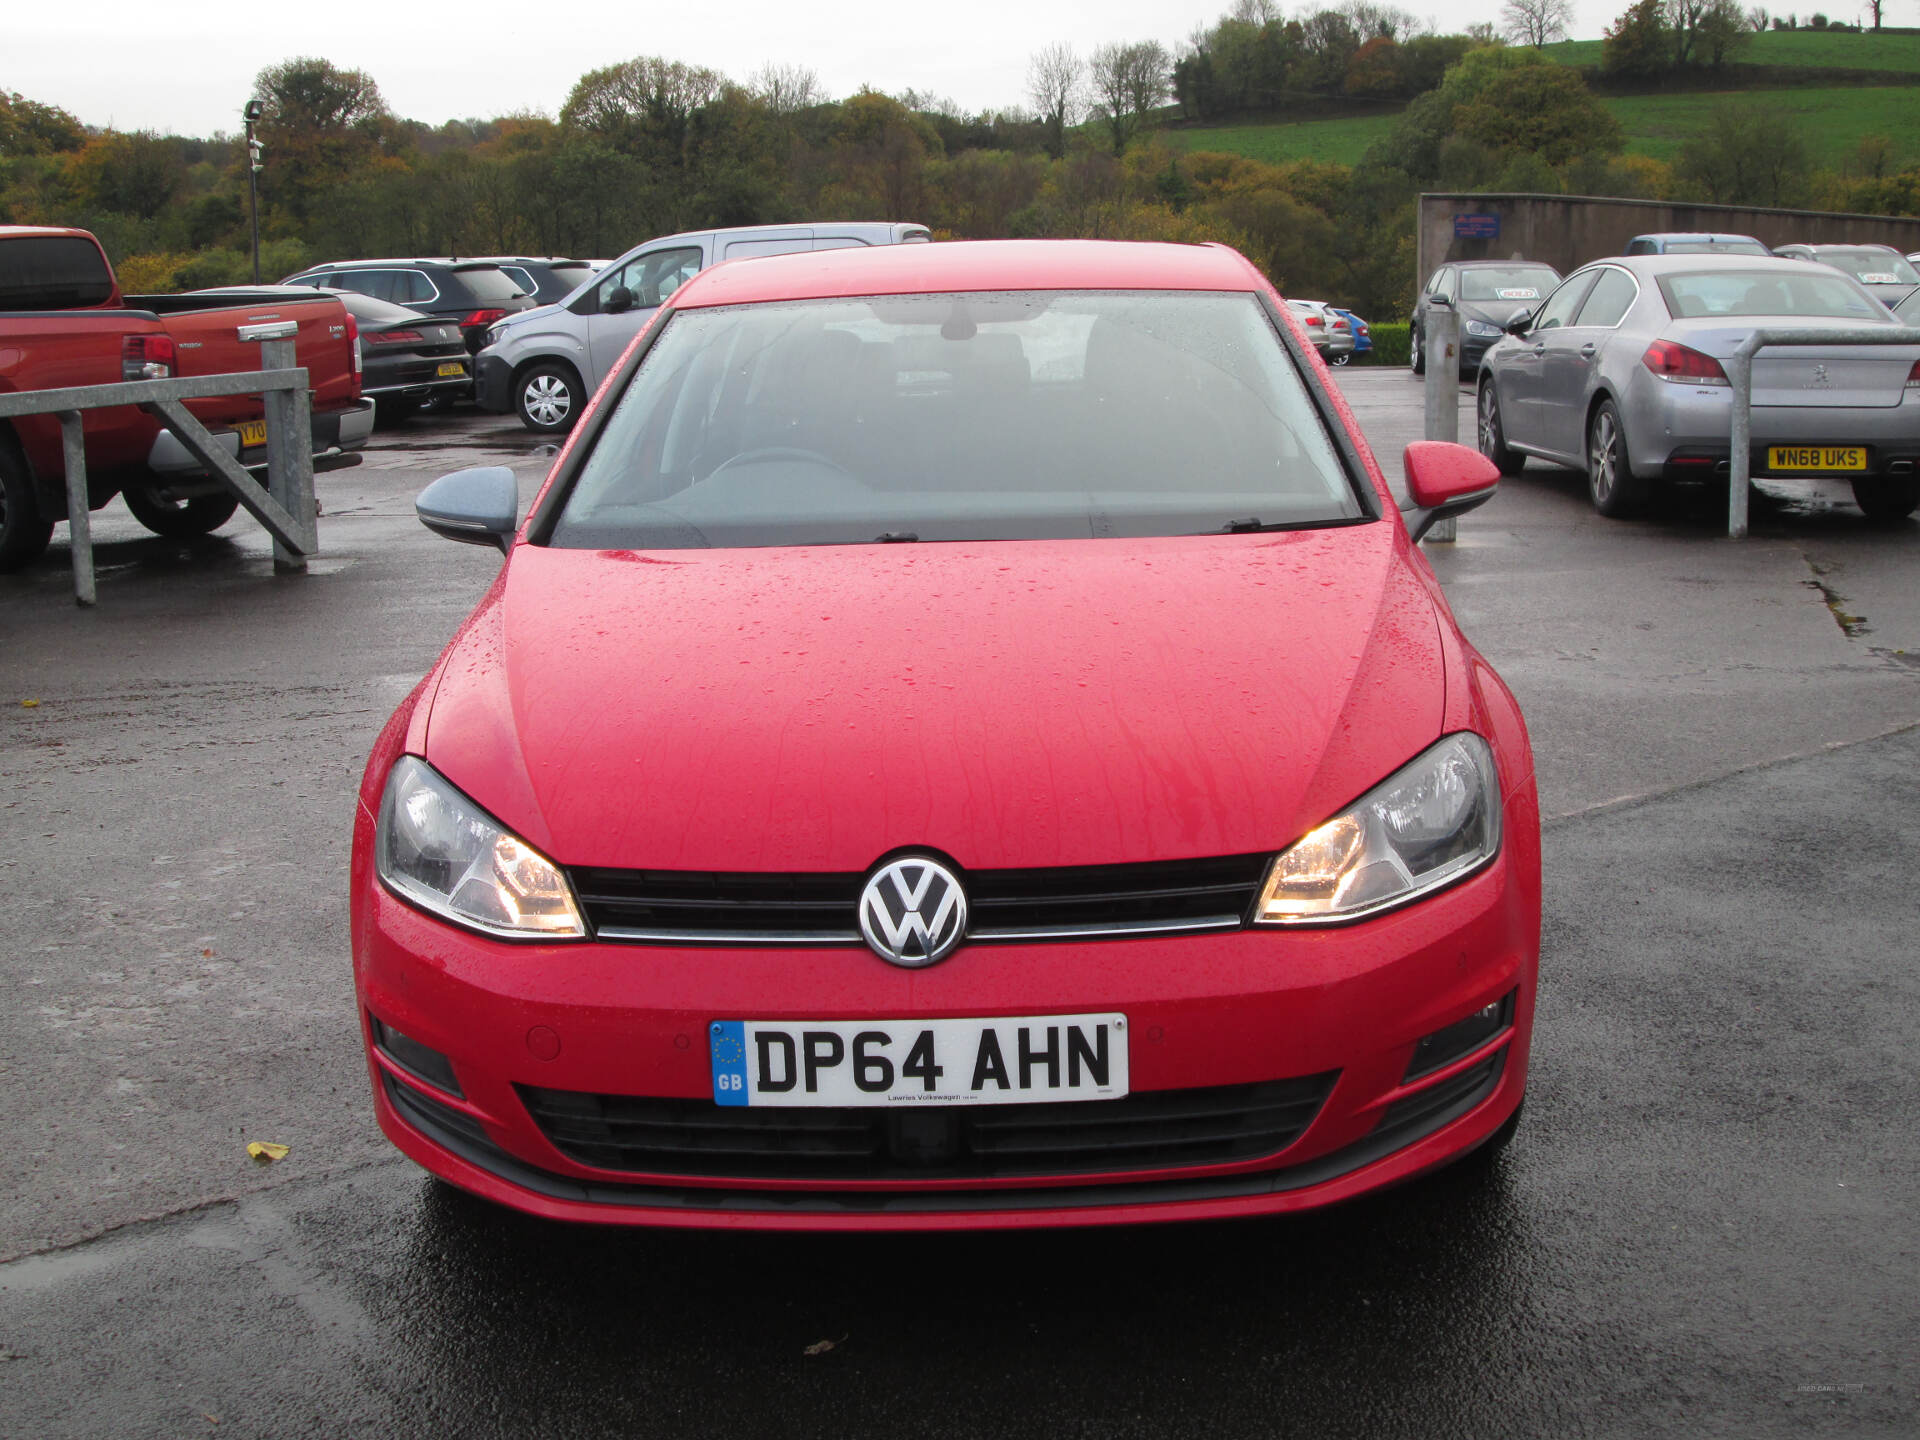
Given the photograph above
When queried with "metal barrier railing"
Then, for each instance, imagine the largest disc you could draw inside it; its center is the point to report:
(1739, 369)
(285, 507)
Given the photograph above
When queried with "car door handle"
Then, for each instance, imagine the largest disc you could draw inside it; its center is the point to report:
(1540, 348)
(1587, 350)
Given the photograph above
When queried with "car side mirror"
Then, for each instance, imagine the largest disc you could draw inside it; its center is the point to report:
(619, 299)
(480, 506)
(1520, 321)
(1445, 480)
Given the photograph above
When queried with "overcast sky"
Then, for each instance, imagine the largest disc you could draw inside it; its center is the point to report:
(187, 66)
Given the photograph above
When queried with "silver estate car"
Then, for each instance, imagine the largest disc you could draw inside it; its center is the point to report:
(1618, 373)
(1332, 336)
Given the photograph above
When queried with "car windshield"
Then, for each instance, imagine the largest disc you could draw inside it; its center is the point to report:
(1012, 416)
(1767, 292)
(1873, 267)
(1715, 247)
(1507, 282)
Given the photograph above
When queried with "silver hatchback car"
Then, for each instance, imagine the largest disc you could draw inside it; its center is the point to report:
(1619, 373)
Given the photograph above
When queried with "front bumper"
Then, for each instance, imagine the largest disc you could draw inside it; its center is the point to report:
(1227, 1009)
(493, 383)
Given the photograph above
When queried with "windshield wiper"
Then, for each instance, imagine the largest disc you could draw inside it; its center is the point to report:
(1246, 527)
(895, 537)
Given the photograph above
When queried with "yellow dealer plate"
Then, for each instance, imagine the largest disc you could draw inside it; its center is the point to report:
(1816, 457)
(451, 368)
(253, 432)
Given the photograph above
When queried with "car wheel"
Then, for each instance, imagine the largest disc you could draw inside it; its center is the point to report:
(1493, 438)
(180, 519)
(1418, 355)
(1615, 490)
(23, 534)
(548, 398)
(1342, 359)
(1884, 500)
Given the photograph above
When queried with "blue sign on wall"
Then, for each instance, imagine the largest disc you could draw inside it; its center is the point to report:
(1476, 227)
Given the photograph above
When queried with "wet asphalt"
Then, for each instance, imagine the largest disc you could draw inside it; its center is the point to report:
(1706, 1224)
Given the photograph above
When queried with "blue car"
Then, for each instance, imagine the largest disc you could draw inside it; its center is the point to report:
(1362, 338)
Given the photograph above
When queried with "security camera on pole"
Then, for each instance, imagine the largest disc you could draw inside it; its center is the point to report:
(253, 110)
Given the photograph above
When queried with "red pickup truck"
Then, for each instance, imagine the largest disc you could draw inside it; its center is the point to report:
(63, 321)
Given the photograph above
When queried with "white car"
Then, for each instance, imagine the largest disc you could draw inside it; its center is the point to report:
(1332, 336)
(543, 364)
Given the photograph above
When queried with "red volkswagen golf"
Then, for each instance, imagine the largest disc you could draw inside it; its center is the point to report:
(963, 738)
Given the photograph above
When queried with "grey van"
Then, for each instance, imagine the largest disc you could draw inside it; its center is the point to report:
(543, 364)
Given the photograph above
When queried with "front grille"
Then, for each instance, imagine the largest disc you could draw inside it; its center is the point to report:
(1153, 1130)
(718, 907)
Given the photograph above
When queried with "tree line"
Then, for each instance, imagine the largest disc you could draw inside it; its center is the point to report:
(650, 145)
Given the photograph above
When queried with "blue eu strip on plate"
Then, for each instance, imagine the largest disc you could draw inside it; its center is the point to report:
(728, 1040)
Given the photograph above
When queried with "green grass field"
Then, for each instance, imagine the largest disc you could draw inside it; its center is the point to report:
(1342, 142)
(1811, 48)
(1831, 121)
(1820, 49)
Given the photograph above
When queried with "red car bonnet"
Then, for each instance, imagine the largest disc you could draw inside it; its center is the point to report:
(1016, 704)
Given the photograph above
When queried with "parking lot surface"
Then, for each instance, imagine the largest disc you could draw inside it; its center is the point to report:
(1705, 1225)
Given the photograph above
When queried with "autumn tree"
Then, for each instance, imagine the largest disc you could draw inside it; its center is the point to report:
(1635, 45)
(1129, 83)
(1057, 86)
(1536, 22)
(321, 124)
(1746, 157)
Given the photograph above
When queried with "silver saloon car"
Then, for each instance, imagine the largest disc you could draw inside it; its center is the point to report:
(1619, 373)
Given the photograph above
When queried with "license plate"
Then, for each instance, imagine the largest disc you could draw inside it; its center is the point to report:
(252, 432)
(451, 369)
(1002, 1061)
(1816, 457)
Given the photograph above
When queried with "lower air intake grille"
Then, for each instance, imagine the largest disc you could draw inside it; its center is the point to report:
(1154, 1130)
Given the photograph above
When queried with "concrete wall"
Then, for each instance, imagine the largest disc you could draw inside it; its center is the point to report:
(1567, 231)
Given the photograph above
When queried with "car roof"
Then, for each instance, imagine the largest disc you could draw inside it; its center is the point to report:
(971, 265)
(1694, 235)
(443, 263)
(1488, 264)
(1656, 265)
(1844, 245)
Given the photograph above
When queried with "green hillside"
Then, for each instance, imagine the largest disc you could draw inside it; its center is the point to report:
(1832, 122)
(1341, 141)
(1814, 49)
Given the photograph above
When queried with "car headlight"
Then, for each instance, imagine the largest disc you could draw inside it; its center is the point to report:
(445, 854)
(1481, 327)
(1429, 824)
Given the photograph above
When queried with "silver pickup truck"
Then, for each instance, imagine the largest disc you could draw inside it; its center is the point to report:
(542, 364)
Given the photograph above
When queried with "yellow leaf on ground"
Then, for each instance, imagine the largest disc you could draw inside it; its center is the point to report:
(28, 704)
(266, 1151)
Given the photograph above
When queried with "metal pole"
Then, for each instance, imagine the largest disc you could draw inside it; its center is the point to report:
(289, 456)
(1740, 440)
(79, 518)
(253, 202)
(1441, 341)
